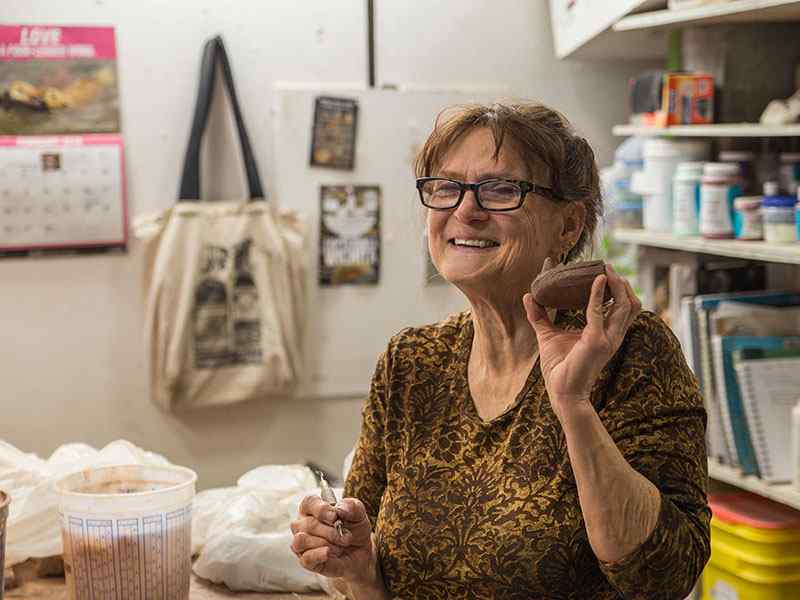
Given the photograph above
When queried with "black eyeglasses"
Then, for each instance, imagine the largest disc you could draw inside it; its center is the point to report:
(495, 195)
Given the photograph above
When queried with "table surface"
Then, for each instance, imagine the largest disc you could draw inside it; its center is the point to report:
(55, 589)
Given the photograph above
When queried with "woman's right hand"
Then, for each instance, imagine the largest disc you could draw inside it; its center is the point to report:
(320, 549)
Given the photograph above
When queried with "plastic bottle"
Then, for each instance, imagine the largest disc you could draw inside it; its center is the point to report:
(686, 198)
(719, 187)
(654, 182)
(748, 223)
(779, 215)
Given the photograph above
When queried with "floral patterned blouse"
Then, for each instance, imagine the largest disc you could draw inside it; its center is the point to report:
(465, 508)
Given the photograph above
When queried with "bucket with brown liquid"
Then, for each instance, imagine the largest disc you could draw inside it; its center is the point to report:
(127, 532)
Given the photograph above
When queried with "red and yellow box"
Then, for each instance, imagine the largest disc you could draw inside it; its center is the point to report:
(686, 99)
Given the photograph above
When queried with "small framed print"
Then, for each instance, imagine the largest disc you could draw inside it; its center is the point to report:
(333, 137)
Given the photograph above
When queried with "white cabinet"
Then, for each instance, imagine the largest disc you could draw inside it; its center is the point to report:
(582, 29)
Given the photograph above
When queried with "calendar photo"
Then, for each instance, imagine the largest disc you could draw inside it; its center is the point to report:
(58, 80)
(62, 192)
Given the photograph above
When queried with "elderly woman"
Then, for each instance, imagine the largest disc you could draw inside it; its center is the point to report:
(510, 451)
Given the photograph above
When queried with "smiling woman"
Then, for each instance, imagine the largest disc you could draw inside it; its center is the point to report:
(509, 451)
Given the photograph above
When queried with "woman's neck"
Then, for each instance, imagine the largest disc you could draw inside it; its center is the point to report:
(504, 340)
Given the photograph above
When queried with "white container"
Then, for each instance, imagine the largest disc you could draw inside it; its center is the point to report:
(789, 172)
(796, 446)
(127, 531)
(661, 159)
(748, 223)
(720, 186)
(779, 219)
(686, 198)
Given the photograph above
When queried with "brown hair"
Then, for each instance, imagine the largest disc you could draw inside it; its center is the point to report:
(541, 135)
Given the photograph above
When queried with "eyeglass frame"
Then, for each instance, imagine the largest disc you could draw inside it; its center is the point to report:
(526, 187)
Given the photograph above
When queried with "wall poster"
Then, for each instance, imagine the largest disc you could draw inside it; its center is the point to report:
(349, 251)
(57, 79)
(333, 137)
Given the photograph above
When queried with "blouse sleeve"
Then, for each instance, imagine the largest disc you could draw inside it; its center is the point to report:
(654, 412)
(366, 479)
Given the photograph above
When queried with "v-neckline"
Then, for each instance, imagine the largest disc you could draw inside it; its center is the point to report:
(465, 351)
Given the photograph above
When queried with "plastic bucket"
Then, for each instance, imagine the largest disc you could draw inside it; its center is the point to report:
(5, 500)
(755, 549)
(127, 532)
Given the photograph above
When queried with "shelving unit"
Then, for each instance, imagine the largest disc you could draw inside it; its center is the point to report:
(739, 11)
(784, 493)
(743, 130)
(763, 251)
(601, 40)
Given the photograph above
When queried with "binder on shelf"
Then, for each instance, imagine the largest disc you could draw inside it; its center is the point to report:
(731, 402)
(721, 438)
(769, 382)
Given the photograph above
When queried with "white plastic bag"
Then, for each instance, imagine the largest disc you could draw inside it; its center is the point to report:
(243, 533)
(33, 529)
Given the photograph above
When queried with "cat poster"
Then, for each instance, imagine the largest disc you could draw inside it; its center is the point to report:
(350, 225)
(56, 79)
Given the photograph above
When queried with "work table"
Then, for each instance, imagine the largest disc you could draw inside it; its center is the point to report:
(54, 588)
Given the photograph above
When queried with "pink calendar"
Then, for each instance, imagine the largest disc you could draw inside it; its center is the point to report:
(62, 192)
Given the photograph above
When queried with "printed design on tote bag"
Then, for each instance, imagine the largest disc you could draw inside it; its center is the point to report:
(226, 322)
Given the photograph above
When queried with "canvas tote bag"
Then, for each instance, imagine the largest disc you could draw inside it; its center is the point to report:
(225, 282)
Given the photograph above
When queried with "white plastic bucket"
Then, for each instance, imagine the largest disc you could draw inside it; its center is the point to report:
(127, 532)
(661, 159)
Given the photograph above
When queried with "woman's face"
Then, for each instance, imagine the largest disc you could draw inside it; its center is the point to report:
(520, 239)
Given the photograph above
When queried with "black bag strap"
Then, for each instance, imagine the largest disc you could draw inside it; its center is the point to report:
(213, 53)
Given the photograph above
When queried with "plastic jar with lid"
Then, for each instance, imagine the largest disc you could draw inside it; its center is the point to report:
(779, 219)
(719, 187)
(789, 172)
(746, 159)
(686, 198)
(747, 219)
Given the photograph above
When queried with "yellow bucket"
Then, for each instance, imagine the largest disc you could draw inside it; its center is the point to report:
(755, 550)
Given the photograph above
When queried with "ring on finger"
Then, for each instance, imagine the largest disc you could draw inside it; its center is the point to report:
(606, 307)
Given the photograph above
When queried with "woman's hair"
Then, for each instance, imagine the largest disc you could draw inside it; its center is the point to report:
(541, 136)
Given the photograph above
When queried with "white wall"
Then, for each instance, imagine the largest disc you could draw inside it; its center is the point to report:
(72, 358)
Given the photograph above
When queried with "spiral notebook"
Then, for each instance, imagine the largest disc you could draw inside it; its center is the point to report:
(769, 382)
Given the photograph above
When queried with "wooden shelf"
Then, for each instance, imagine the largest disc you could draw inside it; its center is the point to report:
(779, 253)
(785, 493)
(736, 11)
(714, 130)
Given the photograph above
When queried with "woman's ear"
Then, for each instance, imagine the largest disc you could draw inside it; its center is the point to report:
(574, 217)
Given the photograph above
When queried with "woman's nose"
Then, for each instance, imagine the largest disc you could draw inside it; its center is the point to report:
(469, 209)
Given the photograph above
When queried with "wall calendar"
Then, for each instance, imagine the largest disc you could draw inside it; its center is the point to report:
(62, 192)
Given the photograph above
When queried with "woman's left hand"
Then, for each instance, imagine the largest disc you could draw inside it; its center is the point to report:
(571, 361)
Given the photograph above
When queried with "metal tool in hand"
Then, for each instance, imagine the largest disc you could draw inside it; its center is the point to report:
(329, 496)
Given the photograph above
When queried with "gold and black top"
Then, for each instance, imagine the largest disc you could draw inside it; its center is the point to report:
(465, 508)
